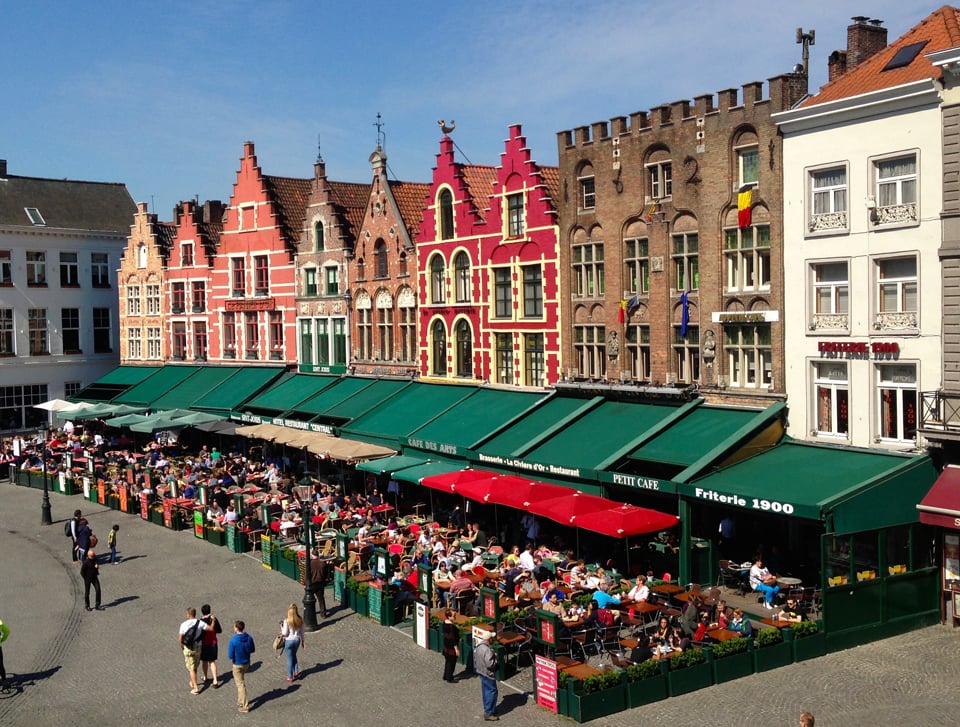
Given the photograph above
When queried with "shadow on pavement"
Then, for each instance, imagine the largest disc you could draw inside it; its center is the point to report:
(118, 601)
(128, 558)
(272, 694)
(317, 668)
(511, 702)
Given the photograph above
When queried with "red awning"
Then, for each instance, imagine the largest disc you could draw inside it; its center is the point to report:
(510, 490)
(941, 506)
(626, 520)
(451, 481)
(568, 508)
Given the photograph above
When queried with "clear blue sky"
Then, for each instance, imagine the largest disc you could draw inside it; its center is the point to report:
(162, 95)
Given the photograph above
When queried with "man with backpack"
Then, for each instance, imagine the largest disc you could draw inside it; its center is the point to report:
(189, 639)
(70, 528)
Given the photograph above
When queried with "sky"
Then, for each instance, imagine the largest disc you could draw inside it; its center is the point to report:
(161, 96)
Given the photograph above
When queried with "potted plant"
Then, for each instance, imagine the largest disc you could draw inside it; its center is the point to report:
(646, 683)
(216, 535)
(597, 696)
(731, 659)
(340, 585)
(435, 633)
(809, 641)
(287, 562)
(350, 593)
(771, 651)
(688, 671)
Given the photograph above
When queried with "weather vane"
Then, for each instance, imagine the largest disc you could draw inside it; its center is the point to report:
(381, 137)
(443, 125)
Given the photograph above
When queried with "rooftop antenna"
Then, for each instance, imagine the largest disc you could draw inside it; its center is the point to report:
(807, 39)
(319, 156)
(381, 136)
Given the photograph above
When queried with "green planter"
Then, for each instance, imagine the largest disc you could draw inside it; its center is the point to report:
(435, 640)
(645, 691)
(563, 700)
(339, 585)
(682, 679)
(176, 520)
(771, 655)
(808, 645)
(731, 660)
(583, 706)
(380, 606)
(216, 537)
(68, 488)
(113, 502)
(156, 516)
(466, 648)
(361, 604)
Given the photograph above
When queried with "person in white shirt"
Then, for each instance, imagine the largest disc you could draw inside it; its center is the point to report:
(640, 592)
(763, 581)
(526, 558)
(230, 516)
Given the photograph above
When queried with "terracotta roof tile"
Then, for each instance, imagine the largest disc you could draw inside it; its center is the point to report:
(411, 200)
(290, 195)
(479, 181)
(351, 201)
(940, 30)
(551, 178)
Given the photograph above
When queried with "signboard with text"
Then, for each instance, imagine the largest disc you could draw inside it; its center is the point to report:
(545, 675)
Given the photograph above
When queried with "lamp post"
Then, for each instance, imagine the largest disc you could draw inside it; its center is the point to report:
(46, 518)
(309, 599)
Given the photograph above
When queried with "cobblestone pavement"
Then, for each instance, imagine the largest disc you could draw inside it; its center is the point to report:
(123, 664)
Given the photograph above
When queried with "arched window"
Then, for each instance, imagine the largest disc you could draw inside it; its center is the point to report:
(380, 254)
(439, 349)
(446, 215)
(318, 235)
(461, 264)
(437, 280)
(142, 256)
(464, 349)
(402, 264)
(361, 269)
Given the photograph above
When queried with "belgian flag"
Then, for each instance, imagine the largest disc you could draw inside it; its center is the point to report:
(744, 206)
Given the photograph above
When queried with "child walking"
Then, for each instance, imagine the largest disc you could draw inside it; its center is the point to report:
(112, 542)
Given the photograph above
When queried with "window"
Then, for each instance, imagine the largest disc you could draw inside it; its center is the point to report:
(446, 215)
(318, 235)
(832, 398)
(229, 335)
(153, 343)
(178, 298)
(69, 270)
(828, 203)
(6, 332)
(588, 270)
(141, 256)
(590, 350)
(248, 217)
(748, 163)
(897, 290)
(33, 214)
(251, 334)
(332, 277)
(686, 354)
(896, 190)
(153, 300)
(380, 258)
(310, 281)
(748, 355)
(660, 177)
(504, 342)
(637, 262)
(99, 270)
(439, 349)
(133, 300)
(831, 296)
(306, 342)
(686, 261)
(533, 359)
(200, 340)
(6, 268)
(365, 331)
(897, 407)
(361, 269)
(588, 193)
(261, 275)
(385, 331)
(198, 294)
(37, 331)
(502, 293)
(238, 282)
(515, 215)
(464, 349)
(36, 268)
(101, 331)
(638, 351)
(461, 265)
(70, 329)
(134, 344)
(179, 350)
(18, 407)
(186, 254)
(408, 330)
(747, 252)
(323, 341)
(275, 322)
(532, 291)
(340, 341)
(70, 388)
(437, 287)
(402, 265)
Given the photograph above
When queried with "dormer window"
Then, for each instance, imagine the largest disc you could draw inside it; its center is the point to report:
(34, 215)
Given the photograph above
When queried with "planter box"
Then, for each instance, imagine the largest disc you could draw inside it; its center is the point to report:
(772, 657)
(156, 516)
(435, 640)
(681, 681)
(646, 691)
(287, 566)
(361, 605)
(732, 667)
(339, 585)
(380, 606)
(466, 649)
(216, 537)
(113, 503)
(809, 647)
(176, 520)
(68, 488)
(584, 707)
(563, 700)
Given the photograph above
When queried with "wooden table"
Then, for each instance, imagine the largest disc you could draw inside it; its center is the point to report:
(579, 670)
(720, 634)
(778, 623)
(667, 588)
(687, 595)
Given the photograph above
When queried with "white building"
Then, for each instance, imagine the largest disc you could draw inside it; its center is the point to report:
(863, 180)
(60, 248)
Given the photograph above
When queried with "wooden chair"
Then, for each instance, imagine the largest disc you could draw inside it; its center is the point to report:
(465, 601)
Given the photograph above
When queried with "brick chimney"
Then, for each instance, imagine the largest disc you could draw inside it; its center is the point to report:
(836, 65)
(864, 38)
(3, 168)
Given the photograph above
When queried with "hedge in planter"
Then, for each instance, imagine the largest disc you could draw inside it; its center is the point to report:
(689, 671)
(362, 604)
(732, 659)
(809, 641)
(217, 536)
(597, 696)
(646, 683)
(771, 651)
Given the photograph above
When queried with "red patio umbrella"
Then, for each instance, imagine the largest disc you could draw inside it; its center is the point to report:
(451, 481)
(519, 492)
(626, 520)
(568, 508)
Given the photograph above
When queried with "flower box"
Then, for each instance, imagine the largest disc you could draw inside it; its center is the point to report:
(216, 536)
(156, 515)
(287, 563)
(809, 641)
(731, 659)
(771, 650)
(646, 683)
(596, 696)
(688, 672)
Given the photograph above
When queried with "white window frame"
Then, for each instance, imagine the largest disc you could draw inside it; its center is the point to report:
(133, 300)
(587, 186)
(742, 153)
(515, 207)
(749, 363)
(588, 273)
(748, 268)
(904, 208)
(838, 390)
(154, 346)
(828, 203)
(901, 392)
(134, 343)
(660, 180)
(903, 315)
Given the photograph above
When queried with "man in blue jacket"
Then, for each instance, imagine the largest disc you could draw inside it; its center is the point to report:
(238, 651)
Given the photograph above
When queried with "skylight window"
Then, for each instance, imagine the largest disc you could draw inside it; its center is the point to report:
(34, 214)
(904, 57)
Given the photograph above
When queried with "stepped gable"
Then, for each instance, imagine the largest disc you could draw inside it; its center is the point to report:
(350, 203)
(290, 196)
(551, 178)
(478, 184)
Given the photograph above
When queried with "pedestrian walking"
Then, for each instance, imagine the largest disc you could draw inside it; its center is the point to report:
(74, 527)
(84, 537)
(451, 646)
(90, 572)
(485, 664)
(189, 637)
(209, 645)
(112, 542)
(291, 629)
(238, 651)
(4, 633)
(319, 575)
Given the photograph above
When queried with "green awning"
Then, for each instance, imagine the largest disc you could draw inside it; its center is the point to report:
(329, 397)
(688, 439)
(374, 396)
(474, 417)
(164, 380)
(391, 418)
(286, 392)
(115, 382)
(389, 465)
(193, 387)
(428, 468)
(518, 436)
(244, 383)
(857, 489)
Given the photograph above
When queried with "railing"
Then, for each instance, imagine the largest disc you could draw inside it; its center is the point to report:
(940, 411)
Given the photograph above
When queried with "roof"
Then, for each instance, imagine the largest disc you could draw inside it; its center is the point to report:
(411, 198)
(479, 181)
(938, 31)
(551, 177)
(290, 196)
(350, 200)
(67, 204)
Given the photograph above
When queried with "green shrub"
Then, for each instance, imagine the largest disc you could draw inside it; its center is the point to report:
(643, 670)
(731, 647)
(351, 584)
(768, 637)
(804, 628)
(562, 679)
(685, 659)
(599, 682)
(362, 589)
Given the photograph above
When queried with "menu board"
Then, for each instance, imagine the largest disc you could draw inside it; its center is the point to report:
(101, 491)
(490, 604)
(339, 584)
(547, 628)
(144, 508)
(375, 602)
(198, 524)
(168, 512)
(266, 550)
(124, 496)
(545, 675)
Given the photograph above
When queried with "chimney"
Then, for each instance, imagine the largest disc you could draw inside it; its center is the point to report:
(865, 37)
(3, 168)
(836, 65)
